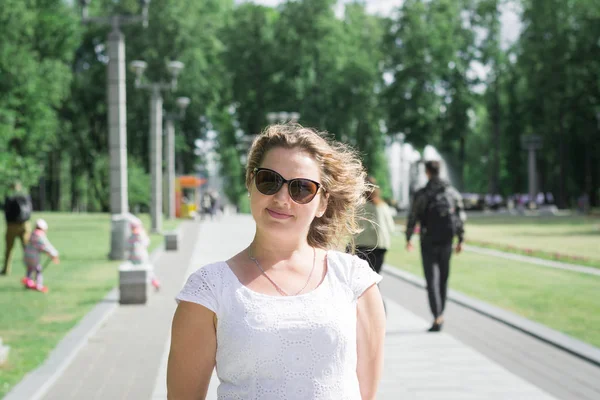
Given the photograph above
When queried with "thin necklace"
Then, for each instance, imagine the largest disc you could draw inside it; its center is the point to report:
(277, 287)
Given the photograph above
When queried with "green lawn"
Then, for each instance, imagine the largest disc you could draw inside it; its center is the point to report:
(572, 239)
(33, 323)
(563, 300)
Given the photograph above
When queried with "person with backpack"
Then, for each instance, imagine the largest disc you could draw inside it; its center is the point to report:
(439, 209)
(17, 212)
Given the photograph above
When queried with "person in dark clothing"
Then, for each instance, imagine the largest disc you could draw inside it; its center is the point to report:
(17, 212)
(439, 209)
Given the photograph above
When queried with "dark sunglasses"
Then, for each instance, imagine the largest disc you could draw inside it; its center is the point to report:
(301, 190)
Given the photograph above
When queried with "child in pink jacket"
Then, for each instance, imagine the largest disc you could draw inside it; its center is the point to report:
(38, 244)
(138, 247)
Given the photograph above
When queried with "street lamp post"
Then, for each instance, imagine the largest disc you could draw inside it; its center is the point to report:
(532, 143)
(156, 103)
(403, 201)
(117, 121)
(170, 118)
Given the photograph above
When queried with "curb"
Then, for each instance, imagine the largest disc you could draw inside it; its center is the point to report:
(160, 383)
(36, 383)
(560, 340)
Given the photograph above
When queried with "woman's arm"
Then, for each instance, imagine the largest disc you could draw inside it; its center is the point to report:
(370, 335)
(389, 220)
(193, 352)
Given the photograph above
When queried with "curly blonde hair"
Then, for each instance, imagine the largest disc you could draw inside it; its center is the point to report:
(342, 175)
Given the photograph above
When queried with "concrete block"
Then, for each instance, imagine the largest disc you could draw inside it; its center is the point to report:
(118, 238)
(133, 283)
(172, 239)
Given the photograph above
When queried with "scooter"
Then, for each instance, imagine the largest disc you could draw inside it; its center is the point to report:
(30, 283)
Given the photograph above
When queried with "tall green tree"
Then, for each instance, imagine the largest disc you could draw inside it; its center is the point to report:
(38, 39)
(557, 58)
(249, 55)
(430, 53)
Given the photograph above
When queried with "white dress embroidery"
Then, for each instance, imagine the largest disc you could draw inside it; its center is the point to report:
(297, 347)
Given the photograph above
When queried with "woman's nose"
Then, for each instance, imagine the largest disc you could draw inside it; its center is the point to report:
(282, 194)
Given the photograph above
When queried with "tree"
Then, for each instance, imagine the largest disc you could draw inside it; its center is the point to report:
(558, 62)
(430, 53)
(248, 56)
(38, 40)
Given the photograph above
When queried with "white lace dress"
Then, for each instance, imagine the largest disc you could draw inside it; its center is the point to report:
(296, 347)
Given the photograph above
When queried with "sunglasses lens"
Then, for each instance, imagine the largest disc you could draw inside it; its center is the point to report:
(302, 190)
(268, 182)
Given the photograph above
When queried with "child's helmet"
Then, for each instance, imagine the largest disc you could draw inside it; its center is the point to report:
(41, 224)
(134, 221)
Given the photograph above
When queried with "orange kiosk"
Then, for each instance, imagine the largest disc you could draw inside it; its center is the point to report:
(187, 195)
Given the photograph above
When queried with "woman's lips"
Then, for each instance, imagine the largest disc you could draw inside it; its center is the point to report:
(278, 215)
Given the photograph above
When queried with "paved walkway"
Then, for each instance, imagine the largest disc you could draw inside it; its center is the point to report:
(121, 360)
(126, 357)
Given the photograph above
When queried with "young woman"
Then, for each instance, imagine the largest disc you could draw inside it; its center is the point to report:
(289, 317)
(377, 229)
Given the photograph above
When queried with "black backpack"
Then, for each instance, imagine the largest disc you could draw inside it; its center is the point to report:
(18, 209)
(440, 216)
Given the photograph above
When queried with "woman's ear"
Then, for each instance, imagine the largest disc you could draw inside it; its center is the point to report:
(323, 205)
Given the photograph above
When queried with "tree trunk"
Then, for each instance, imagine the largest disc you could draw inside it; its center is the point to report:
(461, 162)
(54, 181)
(75, 203)
(589, 188)
(493, 187)
(562, 180)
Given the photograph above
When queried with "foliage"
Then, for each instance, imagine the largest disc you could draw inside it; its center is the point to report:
(436, 70)
(139, 186)
(37, 42)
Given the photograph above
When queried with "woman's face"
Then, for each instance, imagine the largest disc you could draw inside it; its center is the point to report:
(278, 212)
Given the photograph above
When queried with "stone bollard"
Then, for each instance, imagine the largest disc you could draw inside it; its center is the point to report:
(4, 350)
(133, 283)
(172, 240)
(118, 237)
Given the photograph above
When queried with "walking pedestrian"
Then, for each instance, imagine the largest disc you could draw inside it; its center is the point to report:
(377, 229)
(438, 208)
(17, 212)
(288, 317)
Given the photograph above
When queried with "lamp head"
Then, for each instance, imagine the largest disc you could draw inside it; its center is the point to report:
(183, 103)
(283, 116)
(138, 67)
(272, 117)
(175, 68)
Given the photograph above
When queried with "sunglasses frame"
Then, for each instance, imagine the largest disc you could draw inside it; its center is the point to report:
(283, 181)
